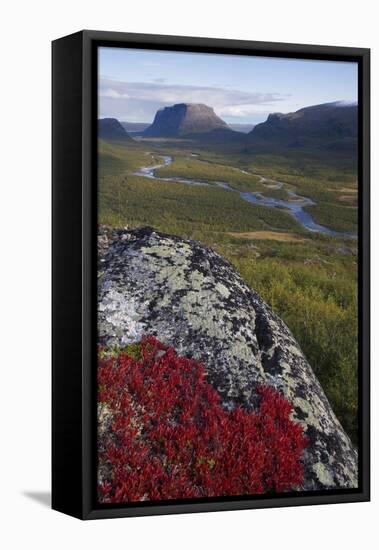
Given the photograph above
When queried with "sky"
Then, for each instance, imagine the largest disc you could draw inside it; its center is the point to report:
(134, 84)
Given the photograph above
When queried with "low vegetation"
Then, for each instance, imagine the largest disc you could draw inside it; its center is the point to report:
(335, 216)
(169, 437)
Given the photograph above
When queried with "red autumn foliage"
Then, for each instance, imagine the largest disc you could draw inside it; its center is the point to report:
(169, 437)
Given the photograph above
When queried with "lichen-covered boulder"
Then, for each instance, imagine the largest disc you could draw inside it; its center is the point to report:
(191, 298)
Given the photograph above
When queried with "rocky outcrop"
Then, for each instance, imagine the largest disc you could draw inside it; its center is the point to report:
(191, 298)
(184, 119)
(111, 129)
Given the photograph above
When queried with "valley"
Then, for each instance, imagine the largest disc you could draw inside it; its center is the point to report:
(285, 199)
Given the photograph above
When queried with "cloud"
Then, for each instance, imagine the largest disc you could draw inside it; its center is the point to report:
(158, 91)
(139, 101)
(110, 92)
(243, 111)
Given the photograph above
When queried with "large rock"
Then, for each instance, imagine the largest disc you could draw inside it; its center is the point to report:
(184, 119)
(191, 298)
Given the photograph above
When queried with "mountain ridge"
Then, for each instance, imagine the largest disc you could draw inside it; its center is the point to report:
(318, 125)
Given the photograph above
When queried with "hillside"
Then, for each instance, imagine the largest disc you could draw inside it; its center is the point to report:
(110, 129)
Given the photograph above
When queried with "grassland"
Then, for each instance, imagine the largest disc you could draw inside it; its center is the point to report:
(309, 279)
(267, 236)
(323, 184)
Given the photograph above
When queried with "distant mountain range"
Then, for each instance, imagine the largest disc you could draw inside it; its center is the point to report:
(330, 125)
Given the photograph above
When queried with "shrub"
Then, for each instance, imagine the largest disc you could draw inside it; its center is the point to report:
(167, 435)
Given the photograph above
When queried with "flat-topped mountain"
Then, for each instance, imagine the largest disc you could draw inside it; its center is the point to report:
(330, 124)
(184, 119)
(111, 129)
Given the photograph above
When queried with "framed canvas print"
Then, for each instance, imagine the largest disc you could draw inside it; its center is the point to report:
(210, 274)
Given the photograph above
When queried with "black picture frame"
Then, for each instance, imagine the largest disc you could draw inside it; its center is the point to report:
(74, 132)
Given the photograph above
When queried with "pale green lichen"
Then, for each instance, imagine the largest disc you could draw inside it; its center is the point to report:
(166, 249)
(308, 410)
(294, 350)
(197, 280)
(161, 251)
(225, 292)
(323, 474)
(173, 276)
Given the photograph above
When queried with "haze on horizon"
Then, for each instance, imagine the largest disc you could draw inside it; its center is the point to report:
(134, 84)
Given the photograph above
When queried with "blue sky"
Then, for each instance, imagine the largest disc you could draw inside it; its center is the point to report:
(133, 84)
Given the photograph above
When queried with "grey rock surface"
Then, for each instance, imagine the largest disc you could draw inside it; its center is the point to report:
(191, 298)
